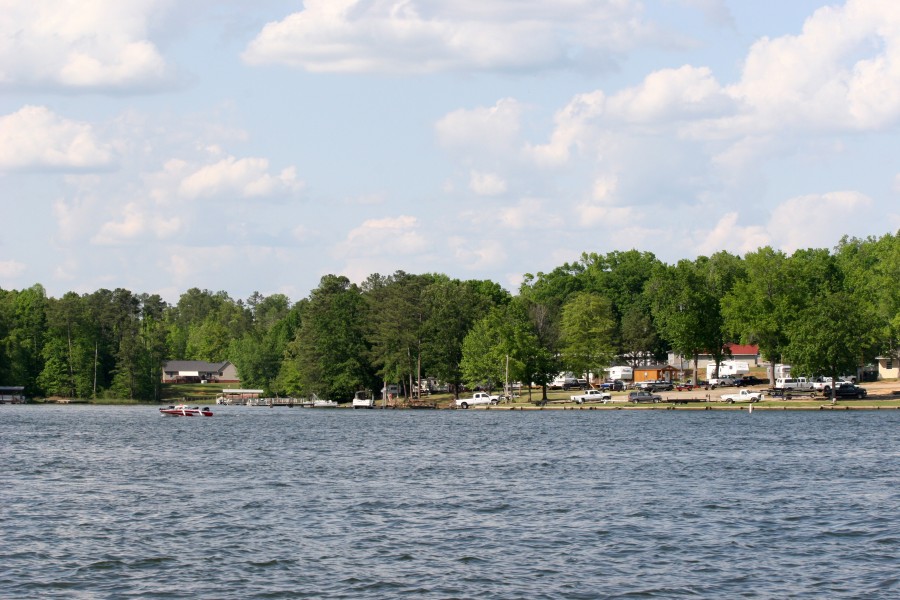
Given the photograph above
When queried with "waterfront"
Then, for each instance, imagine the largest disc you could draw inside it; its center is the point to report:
(118, 502)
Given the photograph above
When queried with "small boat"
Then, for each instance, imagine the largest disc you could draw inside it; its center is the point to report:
(183, 410)
(319, 403)
(314, 401)
(363, 399)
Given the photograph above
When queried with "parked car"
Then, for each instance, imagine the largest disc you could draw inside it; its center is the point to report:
(849, 390)
(726, 381)
(643, 396)
(684, 386)
(747, 380)
(613, 386)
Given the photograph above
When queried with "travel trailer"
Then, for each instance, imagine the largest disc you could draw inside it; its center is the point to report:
(733, 368)
(624, 373)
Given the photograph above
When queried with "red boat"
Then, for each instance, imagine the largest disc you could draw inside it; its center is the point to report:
(183, 410)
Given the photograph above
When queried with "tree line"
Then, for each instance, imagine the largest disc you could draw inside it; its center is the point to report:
(823, 311)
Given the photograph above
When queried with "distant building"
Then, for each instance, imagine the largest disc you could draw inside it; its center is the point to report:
(198, 371)
(888, 367)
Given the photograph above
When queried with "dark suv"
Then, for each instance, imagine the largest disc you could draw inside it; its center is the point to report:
(644, 396)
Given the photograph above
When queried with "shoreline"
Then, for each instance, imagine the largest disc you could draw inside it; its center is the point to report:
(801, 405)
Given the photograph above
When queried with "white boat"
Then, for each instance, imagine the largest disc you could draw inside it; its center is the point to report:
(319, 403)
(183, 410)
(363, 399)
(313, 401)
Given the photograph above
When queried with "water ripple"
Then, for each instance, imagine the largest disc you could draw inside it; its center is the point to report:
(116, 502)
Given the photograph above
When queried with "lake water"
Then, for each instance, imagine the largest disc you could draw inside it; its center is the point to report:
(119, 502)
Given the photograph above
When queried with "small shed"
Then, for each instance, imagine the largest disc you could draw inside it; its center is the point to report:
(655, 373)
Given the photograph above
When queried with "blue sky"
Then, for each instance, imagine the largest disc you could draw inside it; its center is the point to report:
(158, 145)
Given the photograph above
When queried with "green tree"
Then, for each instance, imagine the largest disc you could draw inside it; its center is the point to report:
(330, 351)
(452, 308)
(397, 328)
(7, 315)
(639, 338)
(686, 309)
(484, 352)
(259, 352)
(503, 344)
(153, 346)
(829, 336)
(758, 309)
(58, 374)
(588, 333)
(871, 270)
(27, 336)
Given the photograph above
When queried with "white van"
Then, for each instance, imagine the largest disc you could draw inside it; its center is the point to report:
(791, 383)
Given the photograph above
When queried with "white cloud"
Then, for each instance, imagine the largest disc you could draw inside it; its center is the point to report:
(597, 212)
(10, 269)
(529, 213)
(477, 253)
(79, 44)
(728, 235)
(486, 184)
(136, 223)
(482, 129)
(680, 137)
(387, 236)
(188, 264)
(842, 72)
(245, 177)
(817, 220)
(426, 36)
(809, 221)
(591, 215)
(716, 11)
(77, 216)
(36, 138)
(383, 246)
(671, 95)
(573, 127)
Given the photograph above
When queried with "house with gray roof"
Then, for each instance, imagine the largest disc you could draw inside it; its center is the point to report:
(196, 371)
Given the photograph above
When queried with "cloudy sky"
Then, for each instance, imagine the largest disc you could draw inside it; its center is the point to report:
(159, 145)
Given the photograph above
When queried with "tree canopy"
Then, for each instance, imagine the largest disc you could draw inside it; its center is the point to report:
(825, 311)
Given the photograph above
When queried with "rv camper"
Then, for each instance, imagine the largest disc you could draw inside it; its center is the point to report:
(728, 368)
(623, 373)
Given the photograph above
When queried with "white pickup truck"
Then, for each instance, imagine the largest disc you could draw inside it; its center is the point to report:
(744, 395)
(592, 396)
(824, 384)
(476, 399)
